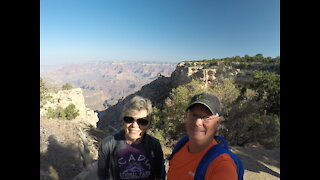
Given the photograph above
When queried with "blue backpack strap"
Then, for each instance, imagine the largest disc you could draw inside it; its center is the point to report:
(214, 152)
(239, 165)
(235, 158)
(224, 142)
(178, 146)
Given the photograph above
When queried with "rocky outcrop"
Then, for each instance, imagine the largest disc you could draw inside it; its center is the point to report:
(67, 147)
(74, 96)
(159, 89)
(204, 71)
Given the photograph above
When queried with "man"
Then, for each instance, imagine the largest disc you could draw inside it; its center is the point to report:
(132, 154)
(202, 121)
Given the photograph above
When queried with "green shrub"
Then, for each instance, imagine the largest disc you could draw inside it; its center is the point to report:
(262, 129)
(44, 96)
(267, 85)
(51, 113)
(173, 113)
(61, 113)
(246, 120)
(70, 112)
(227, 92)
(67, 86)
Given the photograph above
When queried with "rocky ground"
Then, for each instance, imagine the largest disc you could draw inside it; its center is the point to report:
(259, 163)
(67, 148)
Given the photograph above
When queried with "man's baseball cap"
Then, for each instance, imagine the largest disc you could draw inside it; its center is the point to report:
(210, 101)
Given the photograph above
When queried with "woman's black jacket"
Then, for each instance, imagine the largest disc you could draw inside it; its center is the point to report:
(107, 160)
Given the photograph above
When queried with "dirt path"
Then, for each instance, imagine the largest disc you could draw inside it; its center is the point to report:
(259, 163)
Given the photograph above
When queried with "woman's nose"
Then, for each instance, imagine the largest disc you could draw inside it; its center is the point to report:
(135, 124)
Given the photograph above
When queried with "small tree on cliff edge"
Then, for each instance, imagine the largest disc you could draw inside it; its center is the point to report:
(67, 86)
(71, 112)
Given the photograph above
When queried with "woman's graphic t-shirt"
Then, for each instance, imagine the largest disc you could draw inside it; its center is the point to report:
(133, 162)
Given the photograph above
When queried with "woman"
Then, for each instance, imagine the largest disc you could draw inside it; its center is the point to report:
(132, 153)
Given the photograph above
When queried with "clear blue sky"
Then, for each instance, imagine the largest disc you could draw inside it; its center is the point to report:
(157, 30)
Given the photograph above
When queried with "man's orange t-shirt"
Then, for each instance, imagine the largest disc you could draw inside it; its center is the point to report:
(184, 164)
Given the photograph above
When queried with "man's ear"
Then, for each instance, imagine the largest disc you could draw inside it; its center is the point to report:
(221, 119)
(185, 114)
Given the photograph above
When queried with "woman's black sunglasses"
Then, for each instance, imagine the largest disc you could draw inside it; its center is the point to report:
(140, 121)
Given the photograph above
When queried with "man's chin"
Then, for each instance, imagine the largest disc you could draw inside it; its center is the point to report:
(197, 135)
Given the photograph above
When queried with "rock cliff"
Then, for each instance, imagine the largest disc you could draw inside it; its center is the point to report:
(74, 96)
(103, 83)
(159, 89)
(68, 146)
(68, 149)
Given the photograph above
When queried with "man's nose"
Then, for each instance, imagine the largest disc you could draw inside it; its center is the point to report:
(198, 121)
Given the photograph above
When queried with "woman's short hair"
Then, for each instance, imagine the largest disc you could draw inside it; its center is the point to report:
(137, 103)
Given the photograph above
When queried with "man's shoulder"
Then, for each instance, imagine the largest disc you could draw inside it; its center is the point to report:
(223, 158)
(223, 166)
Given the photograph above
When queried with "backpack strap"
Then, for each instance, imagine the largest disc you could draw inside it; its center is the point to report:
(222, 141)
(235, 158)
(214, 152)
(178, 146)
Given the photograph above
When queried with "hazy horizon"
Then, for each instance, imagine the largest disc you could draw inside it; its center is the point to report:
(67, 63)
(157, 31)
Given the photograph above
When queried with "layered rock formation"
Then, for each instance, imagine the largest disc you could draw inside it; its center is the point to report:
(104, 83)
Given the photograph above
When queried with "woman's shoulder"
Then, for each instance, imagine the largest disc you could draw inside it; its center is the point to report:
(151, 138)
(112, 138)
